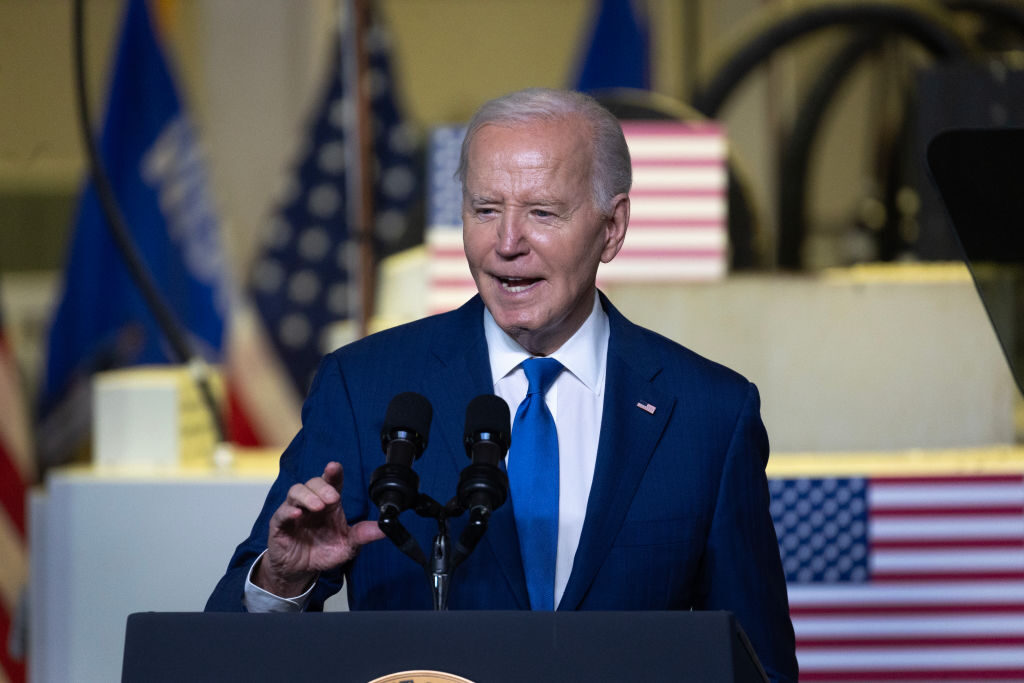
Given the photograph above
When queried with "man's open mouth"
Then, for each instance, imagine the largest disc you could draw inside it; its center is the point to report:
(515, 285)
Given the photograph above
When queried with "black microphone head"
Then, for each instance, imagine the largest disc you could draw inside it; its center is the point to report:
(488, 414)
(408, 412)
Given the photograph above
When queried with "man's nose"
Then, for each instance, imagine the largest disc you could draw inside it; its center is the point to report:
(512, 235)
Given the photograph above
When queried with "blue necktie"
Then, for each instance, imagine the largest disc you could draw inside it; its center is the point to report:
(533, 480)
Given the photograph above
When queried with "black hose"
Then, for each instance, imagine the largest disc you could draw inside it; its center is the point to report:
(795, 164)
(796, 157)
(772, 30)
(165, 318)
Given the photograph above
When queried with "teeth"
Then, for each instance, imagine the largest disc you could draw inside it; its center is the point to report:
(510, 284)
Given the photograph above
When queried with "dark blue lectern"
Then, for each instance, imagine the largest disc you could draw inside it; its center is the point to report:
(484, 647)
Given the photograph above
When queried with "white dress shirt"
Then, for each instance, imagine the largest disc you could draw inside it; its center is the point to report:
(576, 401)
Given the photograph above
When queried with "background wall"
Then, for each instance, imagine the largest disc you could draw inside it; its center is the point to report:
(251, 72)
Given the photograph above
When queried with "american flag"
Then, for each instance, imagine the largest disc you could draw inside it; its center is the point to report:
(16, 473)
(905, 578)
(677, 227)
(304, 284)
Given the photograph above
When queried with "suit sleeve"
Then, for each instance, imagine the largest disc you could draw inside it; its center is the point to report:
(329, 432)
(742, 571)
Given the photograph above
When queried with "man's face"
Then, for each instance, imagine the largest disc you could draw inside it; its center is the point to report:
(532, 235)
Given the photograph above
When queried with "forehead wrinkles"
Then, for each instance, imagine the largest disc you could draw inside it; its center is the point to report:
(539, 155)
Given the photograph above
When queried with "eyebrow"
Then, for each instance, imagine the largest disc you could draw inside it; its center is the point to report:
(475, 199)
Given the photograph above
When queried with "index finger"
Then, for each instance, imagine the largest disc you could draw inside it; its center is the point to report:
(334, 475)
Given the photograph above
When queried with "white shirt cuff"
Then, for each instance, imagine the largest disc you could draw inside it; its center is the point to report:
(258, 600)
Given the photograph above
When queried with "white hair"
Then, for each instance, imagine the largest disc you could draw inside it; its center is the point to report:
(611, 170)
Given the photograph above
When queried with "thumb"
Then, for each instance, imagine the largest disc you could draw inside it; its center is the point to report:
(365, 532)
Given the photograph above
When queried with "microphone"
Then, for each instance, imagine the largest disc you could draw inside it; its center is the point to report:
(406, 424)
(394, 486)
(483, 486)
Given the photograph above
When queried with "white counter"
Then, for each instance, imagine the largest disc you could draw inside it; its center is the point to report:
(106, 544)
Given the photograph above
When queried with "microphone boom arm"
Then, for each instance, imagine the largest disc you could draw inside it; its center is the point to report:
(400, 536)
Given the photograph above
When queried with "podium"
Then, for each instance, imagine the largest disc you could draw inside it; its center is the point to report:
(484, 647)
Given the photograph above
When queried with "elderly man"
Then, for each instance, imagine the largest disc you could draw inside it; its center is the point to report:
(649, 492)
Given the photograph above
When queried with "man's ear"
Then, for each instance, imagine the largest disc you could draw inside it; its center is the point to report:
(615, 227)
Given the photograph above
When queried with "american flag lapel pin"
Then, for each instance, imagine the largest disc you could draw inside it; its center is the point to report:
(646, 407)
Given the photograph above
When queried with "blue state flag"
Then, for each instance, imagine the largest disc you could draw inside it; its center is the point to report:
(151, 154)
(618, 55)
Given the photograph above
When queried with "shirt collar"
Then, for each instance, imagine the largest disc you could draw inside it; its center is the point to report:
(584, 354)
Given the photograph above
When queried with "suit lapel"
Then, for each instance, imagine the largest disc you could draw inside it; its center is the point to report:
(629, 435)
(464, 371)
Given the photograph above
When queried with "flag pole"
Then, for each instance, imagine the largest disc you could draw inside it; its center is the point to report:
(360, 179)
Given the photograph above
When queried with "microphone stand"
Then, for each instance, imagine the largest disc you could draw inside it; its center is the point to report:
(443, 559)
(441, 567)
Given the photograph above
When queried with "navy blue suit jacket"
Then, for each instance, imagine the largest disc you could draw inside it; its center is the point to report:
(678, 511)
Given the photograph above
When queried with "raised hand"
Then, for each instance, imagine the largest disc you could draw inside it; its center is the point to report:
(309, 534)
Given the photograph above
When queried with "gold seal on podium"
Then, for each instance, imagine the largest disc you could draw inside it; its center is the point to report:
(421, 677)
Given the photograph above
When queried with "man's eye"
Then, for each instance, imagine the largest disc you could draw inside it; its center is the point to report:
(541, 213)
(482, 211)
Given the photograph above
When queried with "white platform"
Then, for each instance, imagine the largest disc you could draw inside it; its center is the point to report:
(863, 360)
(104, 545)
